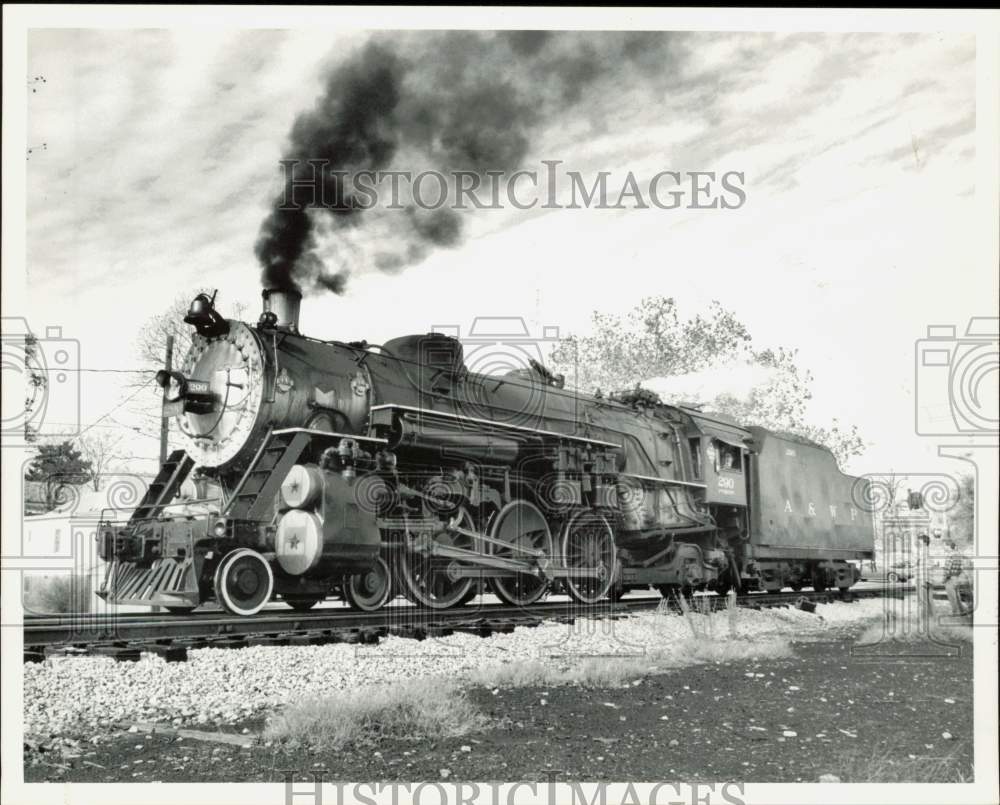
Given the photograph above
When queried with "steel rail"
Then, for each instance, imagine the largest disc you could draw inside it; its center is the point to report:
(133, 632)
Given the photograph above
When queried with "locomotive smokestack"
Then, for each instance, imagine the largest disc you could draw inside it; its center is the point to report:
(283, 304)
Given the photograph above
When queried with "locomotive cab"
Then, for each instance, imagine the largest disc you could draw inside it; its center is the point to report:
(719, 458)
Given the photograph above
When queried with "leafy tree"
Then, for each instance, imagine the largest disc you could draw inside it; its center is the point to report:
(57, 466)
(652, 340)
(648, 341)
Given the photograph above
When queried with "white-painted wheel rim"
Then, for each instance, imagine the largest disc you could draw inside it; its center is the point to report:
(223, 594)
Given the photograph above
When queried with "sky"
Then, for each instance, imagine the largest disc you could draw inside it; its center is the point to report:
(155, 157)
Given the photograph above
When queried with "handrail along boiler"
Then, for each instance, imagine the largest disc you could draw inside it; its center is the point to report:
(365, 472)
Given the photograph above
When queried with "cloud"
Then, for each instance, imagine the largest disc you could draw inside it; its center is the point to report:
(163, 152)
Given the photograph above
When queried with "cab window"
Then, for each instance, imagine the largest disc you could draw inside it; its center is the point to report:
(695, 447)
(728, 457)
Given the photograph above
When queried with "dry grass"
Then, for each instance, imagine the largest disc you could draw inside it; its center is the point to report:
(428, 708)
(591, 672)
(607, 672)
(710, 643)
(737, 649)
(886, 765)
(705, 621)
(902, 626)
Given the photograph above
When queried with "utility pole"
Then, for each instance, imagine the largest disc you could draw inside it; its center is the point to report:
(164, 421)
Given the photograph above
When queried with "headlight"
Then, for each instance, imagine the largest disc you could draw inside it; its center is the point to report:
(219, 529)
(174, 390)
(172, 383)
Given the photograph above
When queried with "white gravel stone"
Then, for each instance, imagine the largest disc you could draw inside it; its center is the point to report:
(80, 695)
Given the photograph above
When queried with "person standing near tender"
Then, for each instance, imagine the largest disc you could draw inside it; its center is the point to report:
(955, 579)
(924, 584)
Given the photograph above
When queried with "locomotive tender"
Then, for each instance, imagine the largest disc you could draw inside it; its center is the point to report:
(365, 472)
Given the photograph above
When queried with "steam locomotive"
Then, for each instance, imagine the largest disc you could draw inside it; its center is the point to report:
(365, 472)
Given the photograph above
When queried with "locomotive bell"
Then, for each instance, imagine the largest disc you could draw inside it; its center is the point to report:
(281, 309)
(205, 319)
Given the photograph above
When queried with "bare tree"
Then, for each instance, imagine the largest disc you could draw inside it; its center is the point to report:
(152, 337)
(100, 448)
(150, 347)
(884, 497)
(893, 483)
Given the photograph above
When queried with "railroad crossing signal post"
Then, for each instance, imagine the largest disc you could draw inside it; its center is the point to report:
(164, 422)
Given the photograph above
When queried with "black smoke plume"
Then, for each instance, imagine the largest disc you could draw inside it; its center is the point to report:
(448, 101)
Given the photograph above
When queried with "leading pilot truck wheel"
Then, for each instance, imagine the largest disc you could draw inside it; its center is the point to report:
(244, 582)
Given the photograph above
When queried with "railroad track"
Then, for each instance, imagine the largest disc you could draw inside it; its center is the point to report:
(125, 636)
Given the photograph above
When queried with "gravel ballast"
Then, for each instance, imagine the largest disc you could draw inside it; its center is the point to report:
(90, 695)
